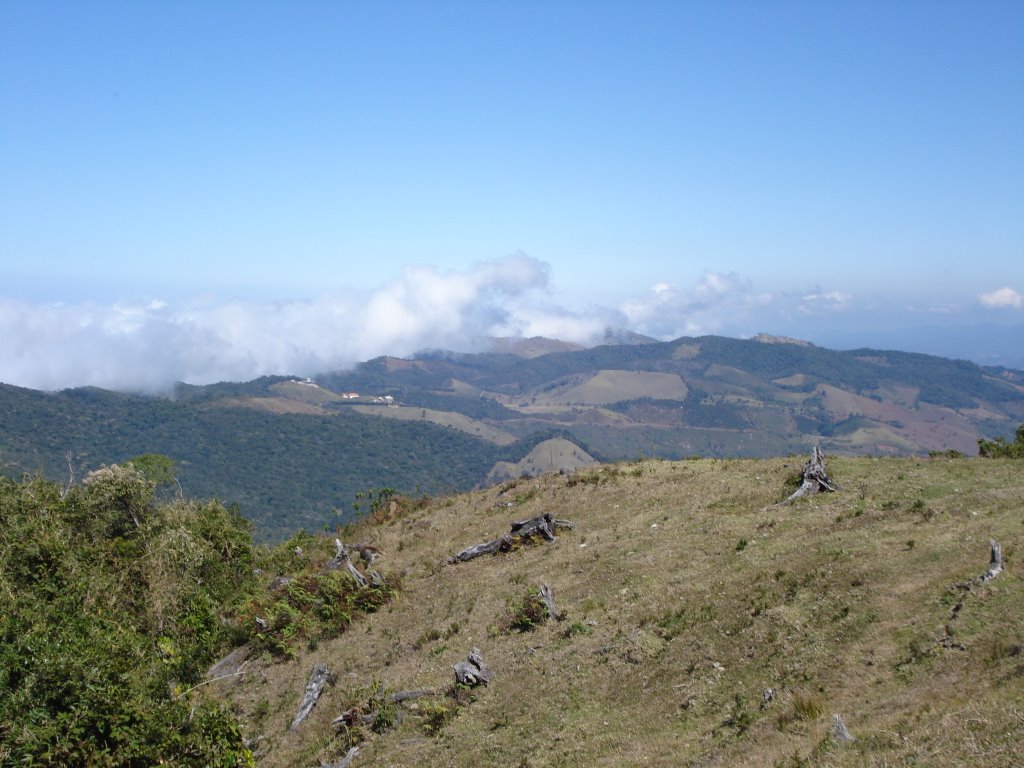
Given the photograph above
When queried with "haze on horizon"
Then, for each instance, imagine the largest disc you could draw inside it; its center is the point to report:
(208, 192)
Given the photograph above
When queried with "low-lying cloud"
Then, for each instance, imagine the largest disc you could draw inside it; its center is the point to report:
(715, 303)
(149, 345)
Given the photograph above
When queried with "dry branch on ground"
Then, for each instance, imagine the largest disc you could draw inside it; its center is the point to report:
(543, 526)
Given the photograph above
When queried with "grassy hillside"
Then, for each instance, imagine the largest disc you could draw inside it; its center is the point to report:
(688, 594)
(554, 455)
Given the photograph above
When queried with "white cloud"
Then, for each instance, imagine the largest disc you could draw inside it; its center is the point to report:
(147, 345)
(714, 303)
(1003, 298)
(824, 301)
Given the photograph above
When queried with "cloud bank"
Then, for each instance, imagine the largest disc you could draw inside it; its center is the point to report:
(713, 304)
(149, 345)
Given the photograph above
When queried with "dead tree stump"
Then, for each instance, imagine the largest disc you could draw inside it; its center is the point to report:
(548, 599)
(995, 567)
(473, 671)
(342, 559)
(995, 564)
(839, 730)
(543, 526)
(814, 478)
(345, 762)
(317, 680)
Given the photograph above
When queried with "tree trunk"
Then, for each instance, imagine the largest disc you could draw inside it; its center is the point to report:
(544, 526)
(995, 564)
(814, 476)
(317, 680)
(549, 601)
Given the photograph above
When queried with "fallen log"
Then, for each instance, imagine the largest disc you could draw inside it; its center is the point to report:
(814, 478)
(399, 696)
(317, 680)
(543, 526)
(473, 671)
(357, 716)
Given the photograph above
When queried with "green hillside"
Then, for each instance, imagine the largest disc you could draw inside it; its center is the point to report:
(443, 422)
(702, 623)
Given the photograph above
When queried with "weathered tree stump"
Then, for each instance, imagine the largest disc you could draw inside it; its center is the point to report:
(995, 564)
(814, 478)
(839, 730)
(995, 567)
(342, 559)
(473, 671)
(345, 762)
(548, 598)
(543, 526)
(317, 680)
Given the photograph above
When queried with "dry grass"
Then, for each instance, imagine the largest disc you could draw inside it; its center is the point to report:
(687, 596)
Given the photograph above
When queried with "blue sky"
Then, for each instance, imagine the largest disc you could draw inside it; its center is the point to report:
(199, 191)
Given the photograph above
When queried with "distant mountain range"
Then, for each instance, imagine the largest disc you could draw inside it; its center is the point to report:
(294, 452)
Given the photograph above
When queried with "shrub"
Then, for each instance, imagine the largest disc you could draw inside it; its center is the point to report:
(528, 612)
(102, 627)
(1001, 449)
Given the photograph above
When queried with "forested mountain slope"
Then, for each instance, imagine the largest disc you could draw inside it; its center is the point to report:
(294, 453)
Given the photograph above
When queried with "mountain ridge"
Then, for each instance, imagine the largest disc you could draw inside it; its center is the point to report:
(444, 421)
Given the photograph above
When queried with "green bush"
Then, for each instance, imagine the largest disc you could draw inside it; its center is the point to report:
(1000, 448)
(113, 606)
(527, 613)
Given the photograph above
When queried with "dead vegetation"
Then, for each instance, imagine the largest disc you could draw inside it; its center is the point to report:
(674, 634)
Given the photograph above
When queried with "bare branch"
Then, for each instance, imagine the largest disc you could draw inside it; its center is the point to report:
(318, 678)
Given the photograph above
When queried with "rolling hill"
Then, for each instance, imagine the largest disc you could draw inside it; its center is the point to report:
(294, 453)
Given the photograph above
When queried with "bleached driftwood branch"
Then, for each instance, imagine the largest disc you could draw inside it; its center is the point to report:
(995, 564)
(549, 601)
(543, 526)
(317, 680)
